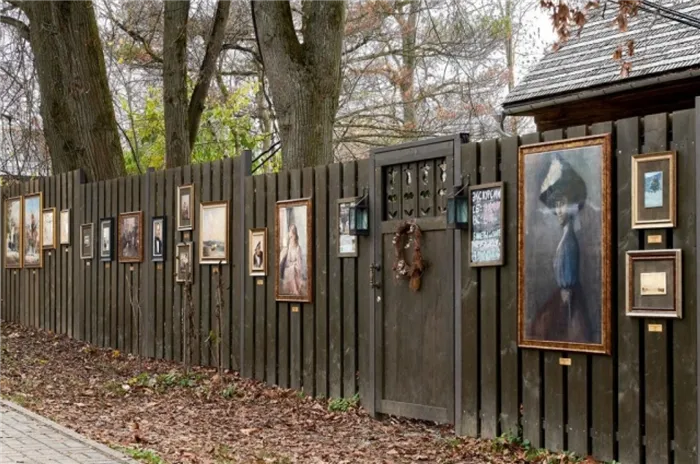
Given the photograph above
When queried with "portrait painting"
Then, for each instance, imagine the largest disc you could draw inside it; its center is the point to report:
(183, 257)
(293, 242)
(33, 231)
(564, 245)
(130, 237)
(86, 241)
(213, 232)
(185, 205)
(106, 239)
(347, 244)
(158, 234)
(48, 228)
(13, 233)
(64, 227)
(257, 242)
(654, 190)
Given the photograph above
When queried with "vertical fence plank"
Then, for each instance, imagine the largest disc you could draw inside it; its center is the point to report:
(185, 335)
(260, 290)
(163, 299)
(45, 276)
(271, 318)
(114, 268)
(198, 270)
(321, 274)
(217, 284)
(248, 367)
(171, 317)
(63, 256)
(128, 273)
(350, 292)
(296, 309)
(363, 289)
(335, 324)
(137, 295)
(75, 265)
(107, 270)
(94, 308)
(308, 338)
(282, 308)
(144, 281)
(241, 170)
(205, 274)
(227, 307)
(102, 291)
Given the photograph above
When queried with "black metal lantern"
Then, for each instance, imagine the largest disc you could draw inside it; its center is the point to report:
(359, 216)
(458, 208)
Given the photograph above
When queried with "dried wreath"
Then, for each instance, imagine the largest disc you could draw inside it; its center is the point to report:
(408, 232)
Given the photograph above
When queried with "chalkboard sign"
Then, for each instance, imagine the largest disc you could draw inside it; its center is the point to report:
(486, 233)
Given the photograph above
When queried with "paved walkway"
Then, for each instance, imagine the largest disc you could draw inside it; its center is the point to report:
(27, 438)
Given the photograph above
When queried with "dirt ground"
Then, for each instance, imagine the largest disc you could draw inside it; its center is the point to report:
(159, 413)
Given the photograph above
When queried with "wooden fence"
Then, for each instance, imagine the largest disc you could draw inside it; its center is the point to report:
(639, 405)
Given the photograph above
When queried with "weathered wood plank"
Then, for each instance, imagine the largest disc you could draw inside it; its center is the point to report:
(350, 296)
(321, 275)
(102, 290)
(227, 308)
(183, 337)
(137, 297)
(159, 299)
(283, 355)
(308, 337)
(171, 317)
(195, 338)
(74, 264)
(260, 290)
(271, 318)
(363, 290)
(128, 274)
(335, 279)
(94, 308)
(296, 309)
(205, 273)
(114, 268)
(248, 367)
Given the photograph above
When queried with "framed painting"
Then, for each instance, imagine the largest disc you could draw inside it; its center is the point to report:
(64, 227)
(13, 232)
(294, 250)
(48, 224)
(257, 259)
(183, 257)
(130, 237)
(158, 233)
(86, 241)
(564, 245)
(213, 232)
(654, 190)
(487, 229)
(32, 255)
(185, 207)
(106, 239)
(347, 244)
(654, 283)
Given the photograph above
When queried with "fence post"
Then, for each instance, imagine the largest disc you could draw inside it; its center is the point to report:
(240, 258)
(147, 320)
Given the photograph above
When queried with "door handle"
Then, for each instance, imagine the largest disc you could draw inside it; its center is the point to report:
(373, 268)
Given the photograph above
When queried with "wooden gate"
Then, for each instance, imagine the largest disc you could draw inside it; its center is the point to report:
(412, 345)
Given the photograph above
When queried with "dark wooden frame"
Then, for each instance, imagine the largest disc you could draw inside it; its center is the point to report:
(122, 216)
(638, 189)
(180, 188)
(53, 244)
(164, 232)
(206, 205)
(352, 201)
(674, 255)
(110, 221)
(21, 232)
(251, 233)
(60, 223)
(309, 244)
(83, 227)
(189, 247)
(605, 244)
(40, 264)
(487, 186)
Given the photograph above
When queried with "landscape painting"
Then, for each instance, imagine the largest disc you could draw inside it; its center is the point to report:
(293, 228)
(564, 245)
(32, 240)
(653, 189)
(131, 237)
(213, 232)
(13, 232)
(48, 228)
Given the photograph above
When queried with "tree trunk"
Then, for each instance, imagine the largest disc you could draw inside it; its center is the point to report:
(76, 105)
(408, 69)
(304, 77)
(177, 145)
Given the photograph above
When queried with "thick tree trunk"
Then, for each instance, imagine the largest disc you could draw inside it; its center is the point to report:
(177, 139)
(408, 68)
(304, 77)
(79, 122)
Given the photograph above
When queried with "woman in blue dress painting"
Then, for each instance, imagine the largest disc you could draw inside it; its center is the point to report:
(564, 316)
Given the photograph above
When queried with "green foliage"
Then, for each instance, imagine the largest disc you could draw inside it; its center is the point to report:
(161, 382)
(142, 454)
(225, 130)
(230, 391)
(343, 404)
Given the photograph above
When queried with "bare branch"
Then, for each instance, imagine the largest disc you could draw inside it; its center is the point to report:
(21, 28)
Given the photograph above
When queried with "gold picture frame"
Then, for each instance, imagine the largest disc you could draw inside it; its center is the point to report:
(32, 211)
(130, 237)
(663, 270)
(564, 289)
(213, 241)
(294, 264)
(185, 207)
(13, 228)
(654, 190)
(257, 252)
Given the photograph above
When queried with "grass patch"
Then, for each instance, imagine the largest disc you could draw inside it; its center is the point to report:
(142, 454)
(343, 404)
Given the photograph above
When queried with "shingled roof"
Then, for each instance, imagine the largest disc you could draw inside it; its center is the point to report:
(661, 47)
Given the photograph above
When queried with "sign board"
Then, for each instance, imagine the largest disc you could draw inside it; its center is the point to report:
(486, 233)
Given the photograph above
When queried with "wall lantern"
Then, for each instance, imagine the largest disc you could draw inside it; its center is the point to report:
(458, 208)
(359, 216)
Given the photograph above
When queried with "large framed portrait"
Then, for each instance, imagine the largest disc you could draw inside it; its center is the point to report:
(213, 232)
(564, 245)
(131, 237)
(654, 190)
(183, 257)
(48, 224)
(86, 239)
(64, 227)
(257, 259)
(654, 283)
(13, 232)
(158, 234)
(293, 243)
(185, 207)
(106, 239)
(33, 230)
(347, 244)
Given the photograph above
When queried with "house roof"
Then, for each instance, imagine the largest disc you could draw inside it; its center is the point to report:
(661, 47)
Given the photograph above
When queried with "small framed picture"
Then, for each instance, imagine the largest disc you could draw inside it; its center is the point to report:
(184, 260)
(64, 227)
(257, 240)
(13, 233)
(213, 232)
(654, 190)
(106, 239)
(158, 234)
(185, 207)
(347, 244)
(86, 241)
(33, 230)
(131, 237)
(654, 283)
(48, 224)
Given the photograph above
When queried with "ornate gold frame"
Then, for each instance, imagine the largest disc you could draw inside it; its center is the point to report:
(605, 245)
(41, 230)
(200, 242)
(55, 234)
(21, 232)
(122, 216)
(309, 246)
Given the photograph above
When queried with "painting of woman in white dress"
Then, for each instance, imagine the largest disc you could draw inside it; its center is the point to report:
(294, 256)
